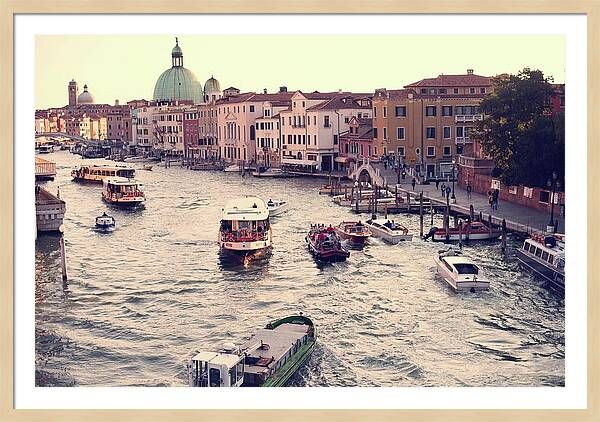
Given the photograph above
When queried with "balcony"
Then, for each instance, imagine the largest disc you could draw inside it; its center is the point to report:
(462, 140)
(461, 118)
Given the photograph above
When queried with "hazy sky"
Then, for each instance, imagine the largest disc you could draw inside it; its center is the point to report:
(126, 67)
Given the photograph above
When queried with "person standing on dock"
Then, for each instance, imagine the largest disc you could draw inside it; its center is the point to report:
(443, 189)
(437, 184)
(414, 182)
(491, 199)
(469, 190)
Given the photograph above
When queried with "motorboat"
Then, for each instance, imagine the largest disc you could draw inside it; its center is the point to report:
(147, 167)
(276, 207)
(272, 173)
(235, 168)
(123, 192)
(475, 230)
(390, 231)
(544, 256)
(354, 231)
(269, 358)
(245, 226)
(105, 223)
(97, 173)
(325, 245)
(141, 159)
(461, 273)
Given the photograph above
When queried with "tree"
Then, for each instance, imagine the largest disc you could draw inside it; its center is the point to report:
(520, 132)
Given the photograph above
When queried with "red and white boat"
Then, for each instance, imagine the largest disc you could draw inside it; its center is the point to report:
(245, 226)
(325, 244)
(475, 230)
(353, 231)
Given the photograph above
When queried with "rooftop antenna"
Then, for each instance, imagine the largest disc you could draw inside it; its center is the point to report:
(176, 41)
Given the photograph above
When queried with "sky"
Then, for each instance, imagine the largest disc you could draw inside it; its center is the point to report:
(126, 67)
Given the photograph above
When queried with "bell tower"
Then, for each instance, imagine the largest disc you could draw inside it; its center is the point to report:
(73, 93)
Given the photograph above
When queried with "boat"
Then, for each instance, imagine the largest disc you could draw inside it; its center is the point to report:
(147, 167)
(123, 192)
(45, 149)
(325, 245)
(276, 207)
(105, 222)
(141, 159)
(475, 230)
(544, 255)
(235, 168)
(270, 358)
(272, 173)
(97, 173)
(354, 231)
(460, 272)
(390, 231)
(245, 226)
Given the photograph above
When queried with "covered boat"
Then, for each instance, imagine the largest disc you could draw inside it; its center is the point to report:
(354, 231)
(475, 230)
(544, 255)
(105, 222)
(123, 192)
(269, 358)
(460, 272)
(97, 173)
(245, 226)
(276, 207)
(325, 244)
(390, 231)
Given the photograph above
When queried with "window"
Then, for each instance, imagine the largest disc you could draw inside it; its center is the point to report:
(544, 196)
(545, 256)
(455, 90)
(384, 111)
(423, 90)
(447, 132)
(400, 132)
(447, 150)
(538, 252)
(401, 151)
(431, 151)
(418, 151)
(385, 133)
(374, 111)
(215, 377)
(375, 133)
(460, 131)
(482, 90)
(251, 108)
(430, 111)
(430, 133)
(446, 110)
(432, 91)
(326, 121)
(346, 119)
(400, 111)
(442, 90)
(472, 90)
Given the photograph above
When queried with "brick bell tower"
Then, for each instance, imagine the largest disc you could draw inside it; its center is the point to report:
(73, 93)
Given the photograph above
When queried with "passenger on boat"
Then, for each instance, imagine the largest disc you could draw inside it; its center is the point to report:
(359, 224)
(330, 229)
(388, 224)
(270, 202)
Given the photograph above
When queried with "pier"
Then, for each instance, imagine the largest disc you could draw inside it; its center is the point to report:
(49, 211)
(44, 169)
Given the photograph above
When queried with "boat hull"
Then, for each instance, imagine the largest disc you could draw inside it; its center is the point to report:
(244, 247)
(461, 283)
(273, 212)
(332, 255)
(454, 235)
(393, 238)
(126, 202)
(555, 278)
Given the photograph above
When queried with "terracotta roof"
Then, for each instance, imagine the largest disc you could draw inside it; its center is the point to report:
(342, 101)
(452, 80)
(279, 98)
(316, 95)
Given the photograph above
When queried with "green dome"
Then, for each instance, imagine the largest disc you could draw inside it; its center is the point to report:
(178, 83)
(212, 85)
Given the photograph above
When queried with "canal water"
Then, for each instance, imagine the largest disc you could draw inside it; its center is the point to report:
(141, 300)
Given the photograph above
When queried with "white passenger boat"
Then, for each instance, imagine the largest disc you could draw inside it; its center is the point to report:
(270, 358)
(123, 192)
(475, 230)
(97, 173)
(544, 255)
(105, 223)
(46, 149)
(390, 231)
(459, 272)
(276, 207)
(245, 226)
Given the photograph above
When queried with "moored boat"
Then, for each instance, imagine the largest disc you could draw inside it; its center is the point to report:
(353, 231)
(272, 173)
(475, 230)
(325, 245)
(269, 358)
(147, 167)
(105, 222)
(276, 207)
(245, 226)
(460, 272)
(97, 173)
(123, 192)
(544, 255)
(390, 231)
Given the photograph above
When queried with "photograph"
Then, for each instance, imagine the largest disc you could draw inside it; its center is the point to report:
(300, 210)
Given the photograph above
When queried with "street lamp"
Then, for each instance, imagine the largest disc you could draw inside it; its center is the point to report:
(553, 184)
(453, 196)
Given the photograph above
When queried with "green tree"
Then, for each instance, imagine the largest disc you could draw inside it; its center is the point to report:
(519, 132)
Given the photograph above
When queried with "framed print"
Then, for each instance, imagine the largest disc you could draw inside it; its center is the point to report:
(361, 206)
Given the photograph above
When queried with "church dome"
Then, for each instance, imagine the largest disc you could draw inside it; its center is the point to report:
(178, 83)
(85, 97)
(212, 85)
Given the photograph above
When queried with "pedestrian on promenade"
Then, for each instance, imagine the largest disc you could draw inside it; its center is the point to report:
(443, 189)
(414, 182)
(469, 189)
(491, 199)
(495, 195)
(448, 189)
(437, 184)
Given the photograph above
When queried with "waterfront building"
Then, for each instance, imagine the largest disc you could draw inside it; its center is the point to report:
(167, 120)
(190, 130)
(268, 132)
(427, 124)
(207, 147)
(357, 142)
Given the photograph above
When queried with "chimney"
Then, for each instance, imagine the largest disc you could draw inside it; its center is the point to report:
(116, 102)
(264, 90)
(283, 89)
(469, 71)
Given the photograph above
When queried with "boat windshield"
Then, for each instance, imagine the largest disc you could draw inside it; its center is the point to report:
(466, 268)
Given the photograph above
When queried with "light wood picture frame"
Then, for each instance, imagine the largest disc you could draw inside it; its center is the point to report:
(10, 8)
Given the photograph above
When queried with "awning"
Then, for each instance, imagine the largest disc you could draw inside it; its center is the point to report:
(298, 162)
(344, 159)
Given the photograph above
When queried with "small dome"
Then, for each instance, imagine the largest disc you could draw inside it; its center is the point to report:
(212, 85)
(85, 97)
(176, 52)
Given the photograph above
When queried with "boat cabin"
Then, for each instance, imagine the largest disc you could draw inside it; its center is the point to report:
(245, 220)
(214, 369)
(98, 173)
(547, 250)
(459, 265)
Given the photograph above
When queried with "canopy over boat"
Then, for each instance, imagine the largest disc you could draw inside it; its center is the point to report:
(250, 208)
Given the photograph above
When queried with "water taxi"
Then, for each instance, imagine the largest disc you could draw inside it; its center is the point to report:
(276, 207)
(475, 230)
(245, 226)
(46, 148)
(544, 255)
(123, 192)
(390, 231)
(353, 231)
(271, 173)
(460, 272)
(105, 223)
(97, 173)
(269, 358)
(325, 245)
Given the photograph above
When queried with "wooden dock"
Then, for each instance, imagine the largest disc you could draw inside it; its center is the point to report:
(49, 211)
(44, 169)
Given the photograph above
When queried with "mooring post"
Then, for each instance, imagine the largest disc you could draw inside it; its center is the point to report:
(407, 201)
(455, 220)
(375, 191)
(480, 216)
(447, 218)
(385, 210)
(471, 212)
(490, 224)
(396, 194)
(421, 214)
(63, 254)
(358, 196)
(460, 227)
(503, 235)
(432, 210)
